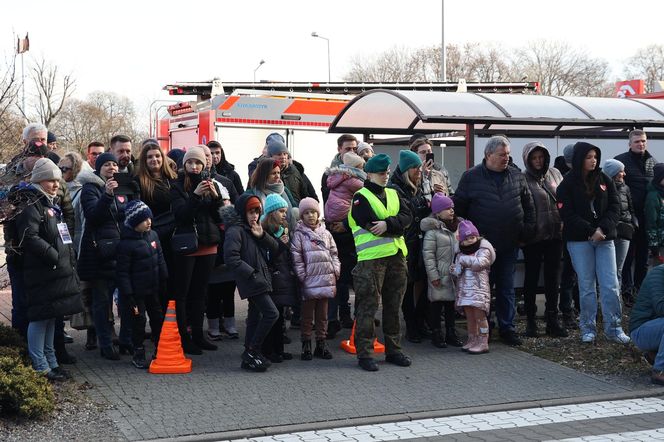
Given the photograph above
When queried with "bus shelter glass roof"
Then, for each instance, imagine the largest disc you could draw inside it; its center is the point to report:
(393, 112)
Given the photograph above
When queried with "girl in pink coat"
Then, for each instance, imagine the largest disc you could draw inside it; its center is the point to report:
(343, 181)
(316, 264)
(471, 268)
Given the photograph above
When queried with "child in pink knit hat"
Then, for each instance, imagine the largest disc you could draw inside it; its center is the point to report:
(471, 268)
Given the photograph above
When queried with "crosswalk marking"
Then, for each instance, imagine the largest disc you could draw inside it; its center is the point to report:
(478, 422)
(629, 436)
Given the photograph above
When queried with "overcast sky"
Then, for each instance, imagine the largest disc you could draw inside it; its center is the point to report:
(136, 47)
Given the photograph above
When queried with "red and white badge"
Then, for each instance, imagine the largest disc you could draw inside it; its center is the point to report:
(603, 187)
(50, 212)
(560, 205)
(121, 198)
(154, 244)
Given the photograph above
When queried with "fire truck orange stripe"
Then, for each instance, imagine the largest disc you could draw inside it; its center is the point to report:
(311, 107)
(229, 103)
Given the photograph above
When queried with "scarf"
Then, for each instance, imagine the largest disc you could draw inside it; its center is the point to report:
(277, 188)
(452, 224)
(469, 250)
(49, 198)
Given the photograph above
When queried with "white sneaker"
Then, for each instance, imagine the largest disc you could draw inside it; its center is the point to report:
(213, 330)
(588, 338)
(620, 337)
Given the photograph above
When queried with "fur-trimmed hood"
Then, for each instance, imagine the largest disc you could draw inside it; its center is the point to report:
(346, 170)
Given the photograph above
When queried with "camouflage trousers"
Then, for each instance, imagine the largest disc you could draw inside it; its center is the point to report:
(373, 280)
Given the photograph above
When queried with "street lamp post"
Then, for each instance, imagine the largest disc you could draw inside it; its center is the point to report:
(260, 63)
(315, 34)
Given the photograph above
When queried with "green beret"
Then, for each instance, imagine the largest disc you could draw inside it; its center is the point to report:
(377, 163)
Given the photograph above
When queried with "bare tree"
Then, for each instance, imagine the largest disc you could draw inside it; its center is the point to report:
(10, 123)
(394, 65)
(100, 116)
(52, 90)
(647, 63)
(561, 69)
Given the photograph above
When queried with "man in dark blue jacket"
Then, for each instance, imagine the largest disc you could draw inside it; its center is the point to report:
(496, 198)
(639, 166)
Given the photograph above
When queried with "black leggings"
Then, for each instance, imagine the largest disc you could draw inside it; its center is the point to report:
(221, 300)
(436, 309)
(274, 341)
(191, 282)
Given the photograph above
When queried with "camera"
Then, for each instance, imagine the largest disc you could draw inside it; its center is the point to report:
(205, 175)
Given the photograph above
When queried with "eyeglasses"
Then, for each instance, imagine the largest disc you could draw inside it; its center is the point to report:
(65, 169)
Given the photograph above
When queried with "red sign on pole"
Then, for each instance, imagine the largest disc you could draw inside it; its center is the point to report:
(629, 87)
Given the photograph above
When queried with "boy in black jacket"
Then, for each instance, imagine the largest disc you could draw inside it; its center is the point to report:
(141, 276)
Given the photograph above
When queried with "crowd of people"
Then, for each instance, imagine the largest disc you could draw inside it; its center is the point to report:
(91, 233)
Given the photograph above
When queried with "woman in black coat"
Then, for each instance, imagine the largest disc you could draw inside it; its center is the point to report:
(195, 201)
(104, 213)
(51, 283)
(154, 181)
(244, 247)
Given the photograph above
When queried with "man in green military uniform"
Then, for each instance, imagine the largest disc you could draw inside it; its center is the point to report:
(378, 219)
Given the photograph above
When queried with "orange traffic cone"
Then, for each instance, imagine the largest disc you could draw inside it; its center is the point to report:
(348, 345)
(170, 357)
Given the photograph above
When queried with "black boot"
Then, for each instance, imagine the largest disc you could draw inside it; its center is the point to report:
(321, 350)
(61, 353)
(438, 339)
(412, 333)
(188, 346)
(138, 360)
(91, 341)
(553, 327)
(333, 327)
(346, 320)
(451, 337)
(569, 321)
(306, 351)
(126, 349)
(531, 327)
(198, 338)
(109, 353)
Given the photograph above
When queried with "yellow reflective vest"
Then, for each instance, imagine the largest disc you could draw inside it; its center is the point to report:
(368, 245)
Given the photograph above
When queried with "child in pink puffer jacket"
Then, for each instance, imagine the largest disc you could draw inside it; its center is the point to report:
(316, 264)
(471, 268)
(343, 181)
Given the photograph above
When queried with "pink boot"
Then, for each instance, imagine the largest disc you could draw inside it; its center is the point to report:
(469, 342)
(482, 340)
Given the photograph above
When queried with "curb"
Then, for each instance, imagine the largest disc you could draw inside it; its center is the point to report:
(403, 417)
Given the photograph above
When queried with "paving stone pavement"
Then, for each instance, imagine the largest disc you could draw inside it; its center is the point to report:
(219, 398)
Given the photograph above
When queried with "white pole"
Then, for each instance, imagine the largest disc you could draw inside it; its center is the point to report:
(443, 70)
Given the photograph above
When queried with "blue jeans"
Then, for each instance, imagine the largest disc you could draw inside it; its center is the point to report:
(622, 247)
(40, 345)
(596, 261)
(102, 297)
(502, 275)
(649, 336)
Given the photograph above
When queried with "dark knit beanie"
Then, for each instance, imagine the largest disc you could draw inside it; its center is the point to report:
(408, 160)
(103, 159)
(136, 212)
